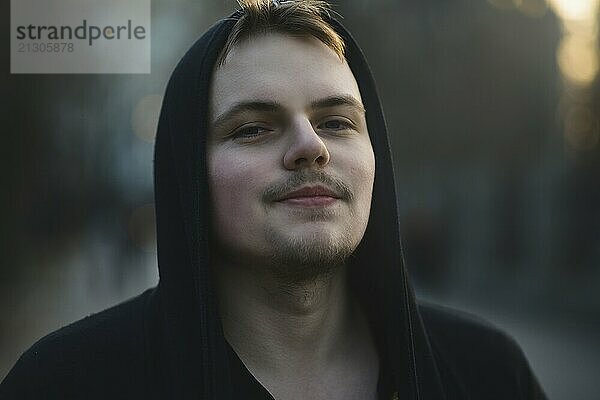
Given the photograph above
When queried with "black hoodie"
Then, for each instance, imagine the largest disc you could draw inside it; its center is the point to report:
(168, 342)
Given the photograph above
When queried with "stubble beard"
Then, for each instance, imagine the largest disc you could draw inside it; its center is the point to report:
(310, 256)
(292, 260)
(297, 260)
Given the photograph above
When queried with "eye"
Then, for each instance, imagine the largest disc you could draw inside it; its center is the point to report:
(249, 132)
(336, 125)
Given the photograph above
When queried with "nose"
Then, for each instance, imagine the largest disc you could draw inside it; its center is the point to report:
(307, 149)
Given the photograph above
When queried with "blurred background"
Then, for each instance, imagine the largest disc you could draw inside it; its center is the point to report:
(494, 112)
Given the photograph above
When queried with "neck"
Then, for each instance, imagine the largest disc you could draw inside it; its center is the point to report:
(305, 323)
(288, 334)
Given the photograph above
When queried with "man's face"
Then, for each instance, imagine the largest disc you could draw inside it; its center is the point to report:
(290, 162)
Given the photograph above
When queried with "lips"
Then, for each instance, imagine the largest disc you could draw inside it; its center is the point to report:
(314, 196)
(313, 191)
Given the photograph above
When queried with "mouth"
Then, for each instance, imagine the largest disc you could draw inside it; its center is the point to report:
(310, 196)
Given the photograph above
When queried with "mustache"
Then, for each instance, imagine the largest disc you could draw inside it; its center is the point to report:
(307, 177)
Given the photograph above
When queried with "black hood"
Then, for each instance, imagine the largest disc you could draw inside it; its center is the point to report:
(190, 340)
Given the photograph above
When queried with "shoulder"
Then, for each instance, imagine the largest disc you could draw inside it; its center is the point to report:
(480, 359)
(104, 351)
(450, 326)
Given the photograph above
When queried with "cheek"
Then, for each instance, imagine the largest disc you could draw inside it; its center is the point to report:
(361, 166)
(233, 194)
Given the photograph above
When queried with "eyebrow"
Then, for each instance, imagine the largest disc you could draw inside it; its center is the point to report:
(271, 106)
(335, 101)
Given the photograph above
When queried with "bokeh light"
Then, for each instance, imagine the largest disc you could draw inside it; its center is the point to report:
(578, 60)
(577, 57)
(575, 9)
(577, 54)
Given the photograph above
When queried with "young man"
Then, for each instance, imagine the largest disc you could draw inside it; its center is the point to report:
(281, 271)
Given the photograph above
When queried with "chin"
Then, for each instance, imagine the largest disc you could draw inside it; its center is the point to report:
(315, 250)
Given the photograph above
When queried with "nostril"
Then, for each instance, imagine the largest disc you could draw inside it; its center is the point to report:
(321, 160)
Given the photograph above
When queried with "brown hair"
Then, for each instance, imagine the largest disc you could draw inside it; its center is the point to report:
(293, 17)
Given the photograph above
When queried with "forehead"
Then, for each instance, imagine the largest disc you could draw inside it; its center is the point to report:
(292, 71)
